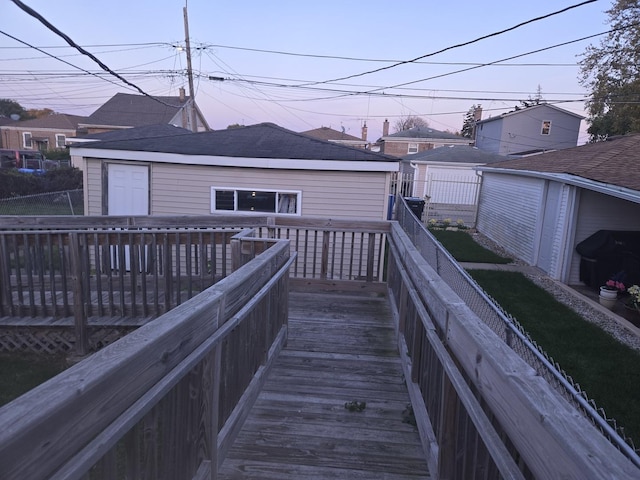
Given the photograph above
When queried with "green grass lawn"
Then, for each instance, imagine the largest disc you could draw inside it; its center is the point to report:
(606, 369)
(20, 372)
(464, 249)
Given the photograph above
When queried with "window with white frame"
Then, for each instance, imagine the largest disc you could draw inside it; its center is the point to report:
(27, 141)
(413, 148)
(61, 140)
(255, 200)
(546, 127)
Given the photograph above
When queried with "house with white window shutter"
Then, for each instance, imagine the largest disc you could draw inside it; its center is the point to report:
(256, 169)
(529, 130)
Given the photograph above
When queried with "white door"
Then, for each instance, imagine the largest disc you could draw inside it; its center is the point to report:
(546, 251)
(128, 194)
(128, 190)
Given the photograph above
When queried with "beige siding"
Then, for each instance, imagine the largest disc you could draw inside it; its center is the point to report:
(186, 189)
(93, 187)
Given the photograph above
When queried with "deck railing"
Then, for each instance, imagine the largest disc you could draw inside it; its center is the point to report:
(94, 270)
(166, 400)
(495, 400)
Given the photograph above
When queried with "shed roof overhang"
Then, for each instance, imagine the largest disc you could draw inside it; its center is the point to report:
(574, 180)
(240, 162)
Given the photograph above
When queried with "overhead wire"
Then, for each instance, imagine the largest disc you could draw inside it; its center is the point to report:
(67, 39)
(459, 45)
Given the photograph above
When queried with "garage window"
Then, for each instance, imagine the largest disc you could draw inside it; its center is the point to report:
(255, 200)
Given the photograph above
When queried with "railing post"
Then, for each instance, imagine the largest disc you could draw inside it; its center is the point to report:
(324, 257)
(371, 253)
(5, 279)
(77, 279)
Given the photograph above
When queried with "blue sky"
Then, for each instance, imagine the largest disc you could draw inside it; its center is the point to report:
(233, 40)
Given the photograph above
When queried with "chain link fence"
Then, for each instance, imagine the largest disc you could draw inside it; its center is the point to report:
(510, 331)
(69, 202)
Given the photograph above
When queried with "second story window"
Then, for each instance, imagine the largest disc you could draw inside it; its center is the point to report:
(60, 140)
(27, 141)
(413, 148)
(546, 127)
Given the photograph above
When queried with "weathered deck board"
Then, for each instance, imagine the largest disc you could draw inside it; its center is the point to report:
(341, 349)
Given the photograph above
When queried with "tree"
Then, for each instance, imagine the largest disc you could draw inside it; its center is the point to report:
(611, 72)
(469, 122)
(38, 113)
(531, 101)
(408, 122)
(11, 107)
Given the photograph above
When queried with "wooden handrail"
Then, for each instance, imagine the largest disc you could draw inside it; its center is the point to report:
(550, 437)
(121, 392)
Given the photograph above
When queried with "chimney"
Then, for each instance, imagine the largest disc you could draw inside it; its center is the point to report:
(364, 132)
(182, 94)
(477, 113)
(385, 128)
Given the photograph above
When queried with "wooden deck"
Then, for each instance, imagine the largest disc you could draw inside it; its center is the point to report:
(341, 349)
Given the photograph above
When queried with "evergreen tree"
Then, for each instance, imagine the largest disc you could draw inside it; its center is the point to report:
(469, 122)
(611, 72)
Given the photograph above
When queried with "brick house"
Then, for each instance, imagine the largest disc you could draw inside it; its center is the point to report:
(417, 139)
(45, 133)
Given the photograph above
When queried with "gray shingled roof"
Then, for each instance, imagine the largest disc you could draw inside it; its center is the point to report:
(520, 110)
(326, 133)
(129, 110)
(454, 154)
(147, 131)
(615, 162)
(264, 140)
(425, 132)
(61, 121)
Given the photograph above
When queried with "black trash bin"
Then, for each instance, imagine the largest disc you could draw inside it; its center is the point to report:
(416, 205)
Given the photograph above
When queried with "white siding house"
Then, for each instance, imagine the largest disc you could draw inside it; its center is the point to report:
(446, 178)
(258, 169)
(534, 129)
(539, 208)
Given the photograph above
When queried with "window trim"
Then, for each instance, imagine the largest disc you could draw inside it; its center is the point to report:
(24, 140)
(417, 148)
(546, 124)
(235, 190)
(60, 136)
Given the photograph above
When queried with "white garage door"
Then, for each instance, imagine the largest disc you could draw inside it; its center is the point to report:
(128, 189)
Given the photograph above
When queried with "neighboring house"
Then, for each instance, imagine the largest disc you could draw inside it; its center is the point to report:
(540, 208)
(446, 179)
(331, 135)
(416, 140)
(260, 168)
(528, 130)
(125, 110)
(148, 131)
(44, 133)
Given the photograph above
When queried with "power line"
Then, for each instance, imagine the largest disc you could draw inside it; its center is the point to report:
(54, 57)
(377, 60)
(484, 37)
(67, 39)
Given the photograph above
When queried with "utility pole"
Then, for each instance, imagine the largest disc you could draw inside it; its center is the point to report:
(192, 94)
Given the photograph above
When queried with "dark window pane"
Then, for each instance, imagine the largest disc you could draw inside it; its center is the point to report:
(251, 201)
(224, 199)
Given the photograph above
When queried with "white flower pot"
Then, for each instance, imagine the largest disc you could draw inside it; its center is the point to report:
(604, 293)
(608, 298)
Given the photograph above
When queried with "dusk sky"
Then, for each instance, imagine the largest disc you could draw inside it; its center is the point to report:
(281, 60)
